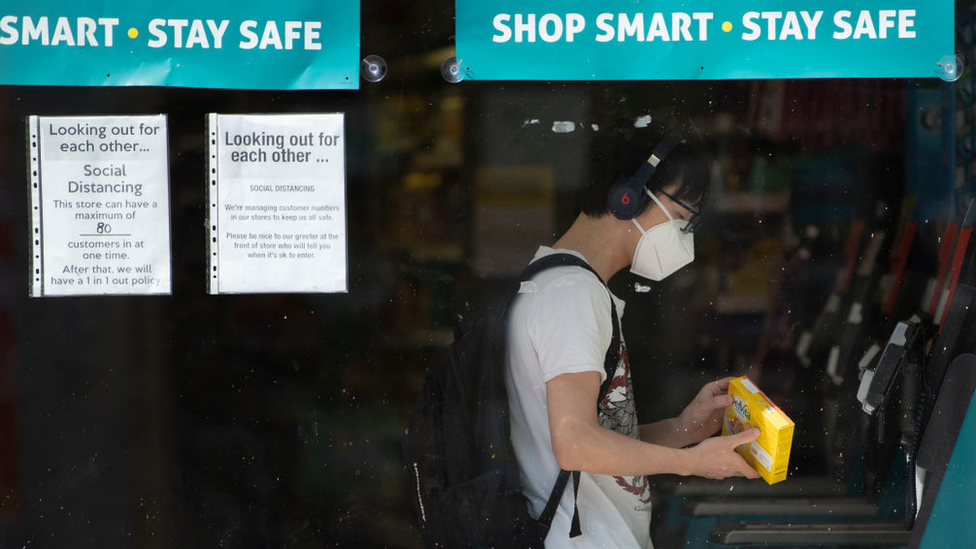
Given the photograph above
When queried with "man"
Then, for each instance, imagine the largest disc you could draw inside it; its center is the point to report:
(559, 331)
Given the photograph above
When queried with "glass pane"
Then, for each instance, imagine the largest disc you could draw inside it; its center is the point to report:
(276, 420)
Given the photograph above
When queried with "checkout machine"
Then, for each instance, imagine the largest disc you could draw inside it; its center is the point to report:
(900, 418)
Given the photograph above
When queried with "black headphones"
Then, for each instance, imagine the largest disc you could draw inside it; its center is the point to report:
(627, 199)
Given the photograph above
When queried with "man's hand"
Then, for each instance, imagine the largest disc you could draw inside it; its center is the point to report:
(581, 444)
(702, 417)
(716, 457)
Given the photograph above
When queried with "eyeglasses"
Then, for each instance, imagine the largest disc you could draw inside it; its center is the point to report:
(694, 221)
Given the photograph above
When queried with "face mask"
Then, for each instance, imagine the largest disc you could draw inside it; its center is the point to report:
(662, 249)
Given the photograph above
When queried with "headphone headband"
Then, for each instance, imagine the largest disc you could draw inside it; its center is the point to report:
(626, 199)
(664, 148)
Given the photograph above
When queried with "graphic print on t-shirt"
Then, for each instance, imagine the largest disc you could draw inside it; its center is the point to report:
(619, 413)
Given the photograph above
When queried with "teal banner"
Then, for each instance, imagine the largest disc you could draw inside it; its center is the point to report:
(703, 39)
(252, 44)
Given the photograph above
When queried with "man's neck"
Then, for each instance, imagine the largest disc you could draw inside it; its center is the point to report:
(602, 241)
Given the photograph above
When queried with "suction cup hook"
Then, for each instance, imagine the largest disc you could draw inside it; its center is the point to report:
(451, 70)
(949, 68)
(373, 68)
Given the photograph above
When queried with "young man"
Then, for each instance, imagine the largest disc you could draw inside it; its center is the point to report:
(559, 331)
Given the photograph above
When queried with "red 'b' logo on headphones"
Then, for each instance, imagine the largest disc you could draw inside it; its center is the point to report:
(625, 199)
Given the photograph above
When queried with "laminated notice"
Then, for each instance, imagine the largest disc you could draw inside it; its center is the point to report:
(770, 453)
(277, 203)
(100, 210)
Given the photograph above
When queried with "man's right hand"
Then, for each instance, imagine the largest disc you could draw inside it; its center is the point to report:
(716, 457)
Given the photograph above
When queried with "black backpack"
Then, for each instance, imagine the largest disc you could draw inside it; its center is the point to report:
(464, 472)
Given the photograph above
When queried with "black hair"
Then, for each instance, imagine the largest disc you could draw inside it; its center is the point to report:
(620, 157)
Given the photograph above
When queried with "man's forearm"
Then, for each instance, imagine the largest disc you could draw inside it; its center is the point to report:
(587, 447)
(668, 432)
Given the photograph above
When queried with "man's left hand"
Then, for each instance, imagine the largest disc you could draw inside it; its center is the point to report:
(702, 417)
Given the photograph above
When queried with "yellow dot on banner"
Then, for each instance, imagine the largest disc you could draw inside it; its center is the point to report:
(727, 26)
(133, 32)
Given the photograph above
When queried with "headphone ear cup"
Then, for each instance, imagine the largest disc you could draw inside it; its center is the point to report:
(624, 202)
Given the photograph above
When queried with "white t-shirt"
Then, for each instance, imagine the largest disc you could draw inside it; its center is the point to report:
(560, 323)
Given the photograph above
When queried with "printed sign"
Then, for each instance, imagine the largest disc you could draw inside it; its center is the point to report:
(99, 205)
(277, 203)
(296, 44)
(707, 39)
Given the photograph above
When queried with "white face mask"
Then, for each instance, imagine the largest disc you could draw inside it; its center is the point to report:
(662, 249)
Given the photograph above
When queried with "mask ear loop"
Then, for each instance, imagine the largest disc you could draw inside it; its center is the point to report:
(659, 205)
(636, 224)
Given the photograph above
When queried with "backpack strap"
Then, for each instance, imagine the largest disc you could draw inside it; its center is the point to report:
(549, 512)
(562, 260)
(609, 365)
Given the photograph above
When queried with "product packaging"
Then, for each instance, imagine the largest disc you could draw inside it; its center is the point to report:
(770, 453)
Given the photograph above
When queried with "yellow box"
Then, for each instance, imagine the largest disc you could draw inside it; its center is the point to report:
(770, 453)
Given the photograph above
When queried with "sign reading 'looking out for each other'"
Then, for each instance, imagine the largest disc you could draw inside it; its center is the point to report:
(277, 203)
(99, 205)
(706, 39)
